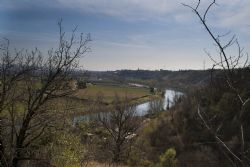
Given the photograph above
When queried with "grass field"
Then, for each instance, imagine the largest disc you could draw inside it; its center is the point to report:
(108, 92)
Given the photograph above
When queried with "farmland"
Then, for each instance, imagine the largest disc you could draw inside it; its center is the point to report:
(108, 93)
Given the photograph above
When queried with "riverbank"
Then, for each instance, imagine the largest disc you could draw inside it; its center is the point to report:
(85, 100)
(141, 109)
(89, 106)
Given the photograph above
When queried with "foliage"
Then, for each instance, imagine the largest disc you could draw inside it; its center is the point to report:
(67, 150)
(168, 158)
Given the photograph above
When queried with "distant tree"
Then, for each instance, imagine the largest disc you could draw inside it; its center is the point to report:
(29, 84)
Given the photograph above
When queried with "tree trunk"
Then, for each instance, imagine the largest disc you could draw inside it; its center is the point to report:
(20, 139)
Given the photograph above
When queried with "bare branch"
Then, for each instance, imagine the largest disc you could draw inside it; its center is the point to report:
(216, 137)
(209, 7)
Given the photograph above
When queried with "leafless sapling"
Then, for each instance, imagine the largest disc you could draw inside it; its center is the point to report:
(121, 124)
(229, 64)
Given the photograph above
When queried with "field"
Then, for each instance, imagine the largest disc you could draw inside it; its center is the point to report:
(108, 93)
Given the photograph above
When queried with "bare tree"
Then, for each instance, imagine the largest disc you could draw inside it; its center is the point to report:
(230, 65)
(121, 124)
(12, 70)
(156, 105)
(29, 84)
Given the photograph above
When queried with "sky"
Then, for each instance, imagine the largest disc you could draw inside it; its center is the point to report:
(127, 34)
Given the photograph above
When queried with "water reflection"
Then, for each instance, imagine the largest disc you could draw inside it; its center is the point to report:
(167, 102)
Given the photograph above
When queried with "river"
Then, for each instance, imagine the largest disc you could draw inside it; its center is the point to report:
(141, 109)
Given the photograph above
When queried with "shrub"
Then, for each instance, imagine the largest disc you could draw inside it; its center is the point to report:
(168, 158)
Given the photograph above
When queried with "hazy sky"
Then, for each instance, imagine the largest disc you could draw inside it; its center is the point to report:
(126, 34)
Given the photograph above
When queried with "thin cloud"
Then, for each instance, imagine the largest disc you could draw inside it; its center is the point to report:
(122, 7)
(235, 18)
(230, 12)
(126, 31)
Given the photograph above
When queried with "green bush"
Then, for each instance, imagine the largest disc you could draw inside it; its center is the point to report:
(168, 158)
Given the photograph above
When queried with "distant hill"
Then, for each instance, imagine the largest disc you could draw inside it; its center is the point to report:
(182, 79)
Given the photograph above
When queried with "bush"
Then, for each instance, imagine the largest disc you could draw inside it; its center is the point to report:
(168, 158)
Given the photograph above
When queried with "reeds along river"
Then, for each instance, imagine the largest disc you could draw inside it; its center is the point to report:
(142, 109)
